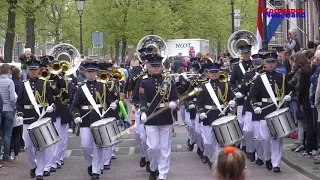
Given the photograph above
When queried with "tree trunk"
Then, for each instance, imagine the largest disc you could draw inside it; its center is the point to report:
(124, 48)
(30, 35)
(9, 41)
(117, 53)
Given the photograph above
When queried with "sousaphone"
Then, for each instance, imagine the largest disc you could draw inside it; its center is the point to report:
(239, 38)
(155, 42)
(67, 58)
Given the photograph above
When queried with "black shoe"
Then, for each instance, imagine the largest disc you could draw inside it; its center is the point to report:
(252, 156)
(204, 160)
(58, 166)
(191, 147)
(148, 167)
(210, 163)
(157, 172)
(53, 169)
(90, 170)
(199, 152)
(95, 176)
(259, 162)
(46, 173)
(143, 162)
(39, 177)
(269, 165)
(101, 171)
(153, 175)
(188, 142)
(33, 173)
(62, 162)
(276, 169)
(106, 167)
(113, 157)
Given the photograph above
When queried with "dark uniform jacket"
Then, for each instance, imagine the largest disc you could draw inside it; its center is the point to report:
(237, 76)
(259, 95)
(46, 93)
(205, 102)
(151, 101)
(195, 82)
(135, 91)
(81, 105)
(113, 89)
(248, 80)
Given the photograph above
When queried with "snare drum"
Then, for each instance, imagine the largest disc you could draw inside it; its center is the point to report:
(106, 132)
(43, 134)
(227, 130)
(280, 123)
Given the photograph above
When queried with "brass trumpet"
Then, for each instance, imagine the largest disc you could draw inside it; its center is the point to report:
(45, 74)
(223, 76)
(103, 75)
(59, 66)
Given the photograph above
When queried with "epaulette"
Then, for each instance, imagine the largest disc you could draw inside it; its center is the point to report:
(81, 83)
(145, 77)
(25, 80)
(262, 71)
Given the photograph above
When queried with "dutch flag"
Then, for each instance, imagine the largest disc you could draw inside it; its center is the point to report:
(272, 24)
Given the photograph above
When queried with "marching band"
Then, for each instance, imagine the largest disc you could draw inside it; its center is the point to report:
(241, 104)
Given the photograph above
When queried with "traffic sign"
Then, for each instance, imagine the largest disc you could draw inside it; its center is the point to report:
(237, 23)
(237, 13)
(97, 38)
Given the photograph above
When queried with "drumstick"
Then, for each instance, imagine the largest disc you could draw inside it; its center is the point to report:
(78, 125)
(31, 118)
(274, 104)
(284, 101)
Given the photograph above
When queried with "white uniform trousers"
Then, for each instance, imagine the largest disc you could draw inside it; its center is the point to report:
(107, 155)
(197, 128)
(241, 122)
(159, 148)
(190, 127)
(272, 147)
(36, 159)
(210, 144)
(248, 132)
(113, 153)
(63, 133)
(140, 136)
(92, 154)
(258, 140)
(51, 161)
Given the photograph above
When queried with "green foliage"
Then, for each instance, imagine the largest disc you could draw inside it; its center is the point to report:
(58, 20)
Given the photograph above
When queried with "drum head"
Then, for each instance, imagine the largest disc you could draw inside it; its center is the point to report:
(39, 122)
(223, 120)
(276, 113)
(103, 121)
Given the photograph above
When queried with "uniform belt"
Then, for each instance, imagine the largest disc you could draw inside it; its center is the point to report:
(32, 106)
(239, 86)
(90, 107)
(194, 99)
(212, 107)
(161, 105)
(268, 100)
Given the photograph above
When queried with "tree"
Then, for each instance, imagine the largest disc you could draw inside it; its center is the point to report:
(10, 33)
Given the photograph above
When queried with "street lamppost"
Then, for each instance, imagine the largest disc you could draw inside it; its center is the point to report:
(80, 8)
(232, 16)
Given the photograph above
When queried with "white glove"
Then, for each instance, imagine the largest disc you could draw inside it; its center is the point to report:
(49, 109)
(113, 106)
(258, 110)
(203, 116)
(143, 117)
(77, 120)
(287, 98)
(192, 106)
(238, 95)
(176, 78)
(19, 119)
(172, 105)
(232, 103)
